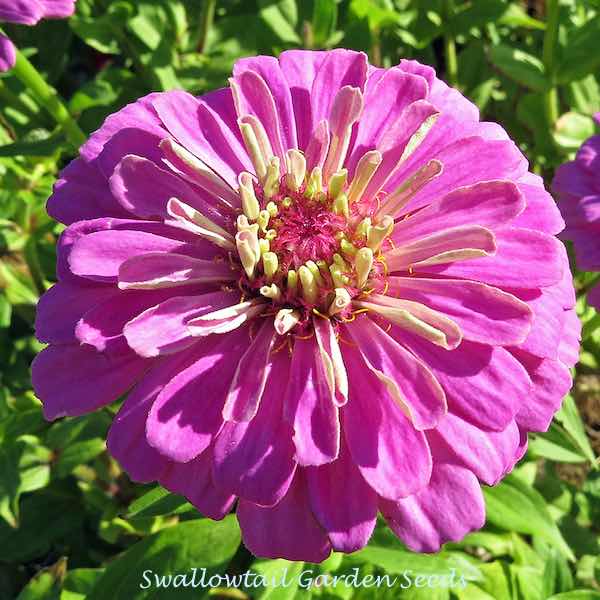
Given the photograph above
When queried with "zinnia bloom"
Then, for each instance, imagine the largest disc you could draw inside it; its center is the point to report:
(331, 290)
(28, 12)
(577, 184)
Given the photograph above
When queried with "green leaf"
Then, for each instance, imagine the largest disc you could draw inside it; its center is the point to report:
(555, 445)
(5, 311)
(79, 583)
(23, 468)
(45, 585)
(572, 129)
(522, 67)
(280, 571)
(158, 502)
(324, 20)
(580, 56)
(281, 16)
(77, 454)
(514, 506)
(568, 416)
(200, 544)
(577, 595)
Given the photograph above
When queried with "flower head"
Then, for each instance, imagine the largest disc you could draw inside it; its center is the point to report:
(330, 292)
(28, 12)
(577, 184)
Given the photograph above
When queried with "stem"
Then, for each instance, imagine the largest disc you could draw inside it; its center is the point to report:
(548, 54)
(48, 98)
(450, 49)
(206, 21)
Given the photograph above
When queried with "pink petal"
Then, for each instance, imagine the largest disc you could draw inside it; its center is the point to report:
(187, 413)
(8, 54)
(484, 314)
(162, 329)
(446, 247)
(250, 378)
(396, 90)
(487, 454)
(194, 481)
(551, 381)
(126, 439)
(446, 510)
(408, 380)
(60, 308)
(380, 437)
(287, 530)
(99, 255)
(255, 459)
(489, 204)
(484, 384)
(24, 12)
(269, 70)
(524, 258)
(73, 380)
(342, 502)
(310, 407)
(202, 131)
(163, 269)
(144, 189)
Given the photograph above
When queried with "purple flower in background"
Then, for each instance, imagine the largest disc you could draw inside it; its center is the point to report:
(28, 12)
(577, 184)
(329, 290)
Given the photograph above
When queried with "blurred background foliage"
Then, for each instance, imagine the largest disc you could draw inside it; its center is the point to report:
(72, 525)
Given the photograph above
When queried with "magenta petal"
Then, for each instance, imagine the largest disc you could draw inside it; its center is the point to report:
(339, 68)
(199, 129)
(8, 54)
(519, 251)
(162, 329)
(484, 314)
(269, 70)
(380, 437)
(488, 204)
(541, 212)
(342, 502)
(187, 413)
(127, 435)
(248, 382)
(415, 389)
(395, 89)
(57, 9)
(143, 188)
(255, 459)
(60, 308)
(484, 384)
(153, 270)
(194, 481)
(99, 255)
(446, 510)
(73, 380)
(487, 454)
(310, 406)
(551, 381)
(24, 12)
(287, 530)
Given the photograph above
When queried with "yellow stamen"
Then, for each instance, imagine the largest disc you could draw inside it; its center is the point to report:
(296, 169)
(340, 205)
(292, 281)
(270, 264)
(314, 269)
(363, 264)
(337, 182)
(365, 170)
(286, 319)
(310, 290)
(340, 302)
(271, 185)
(270, 291)
(250, 204)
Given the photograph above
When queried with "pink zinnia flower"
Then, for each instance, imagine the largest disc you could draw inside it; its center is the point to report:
(28, 12)
(331, 290)
(577, 184)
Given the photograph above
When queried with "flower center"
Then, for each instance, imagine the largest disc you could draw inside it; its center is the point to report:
(304, 244)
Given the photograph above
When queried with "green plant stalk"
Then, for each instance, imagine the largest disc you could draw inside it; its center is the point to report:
(206, 21)
(47, 97)
(450, 49)
(548, 55)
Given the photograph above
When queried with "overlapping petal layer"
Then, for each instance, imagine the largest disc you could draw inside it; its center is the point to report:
(330, 292)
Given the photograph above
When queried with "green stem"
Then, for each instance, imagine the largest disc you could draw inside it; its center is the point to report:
(548, 54)
(206, 21)
(450, 49)
(47, 97)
